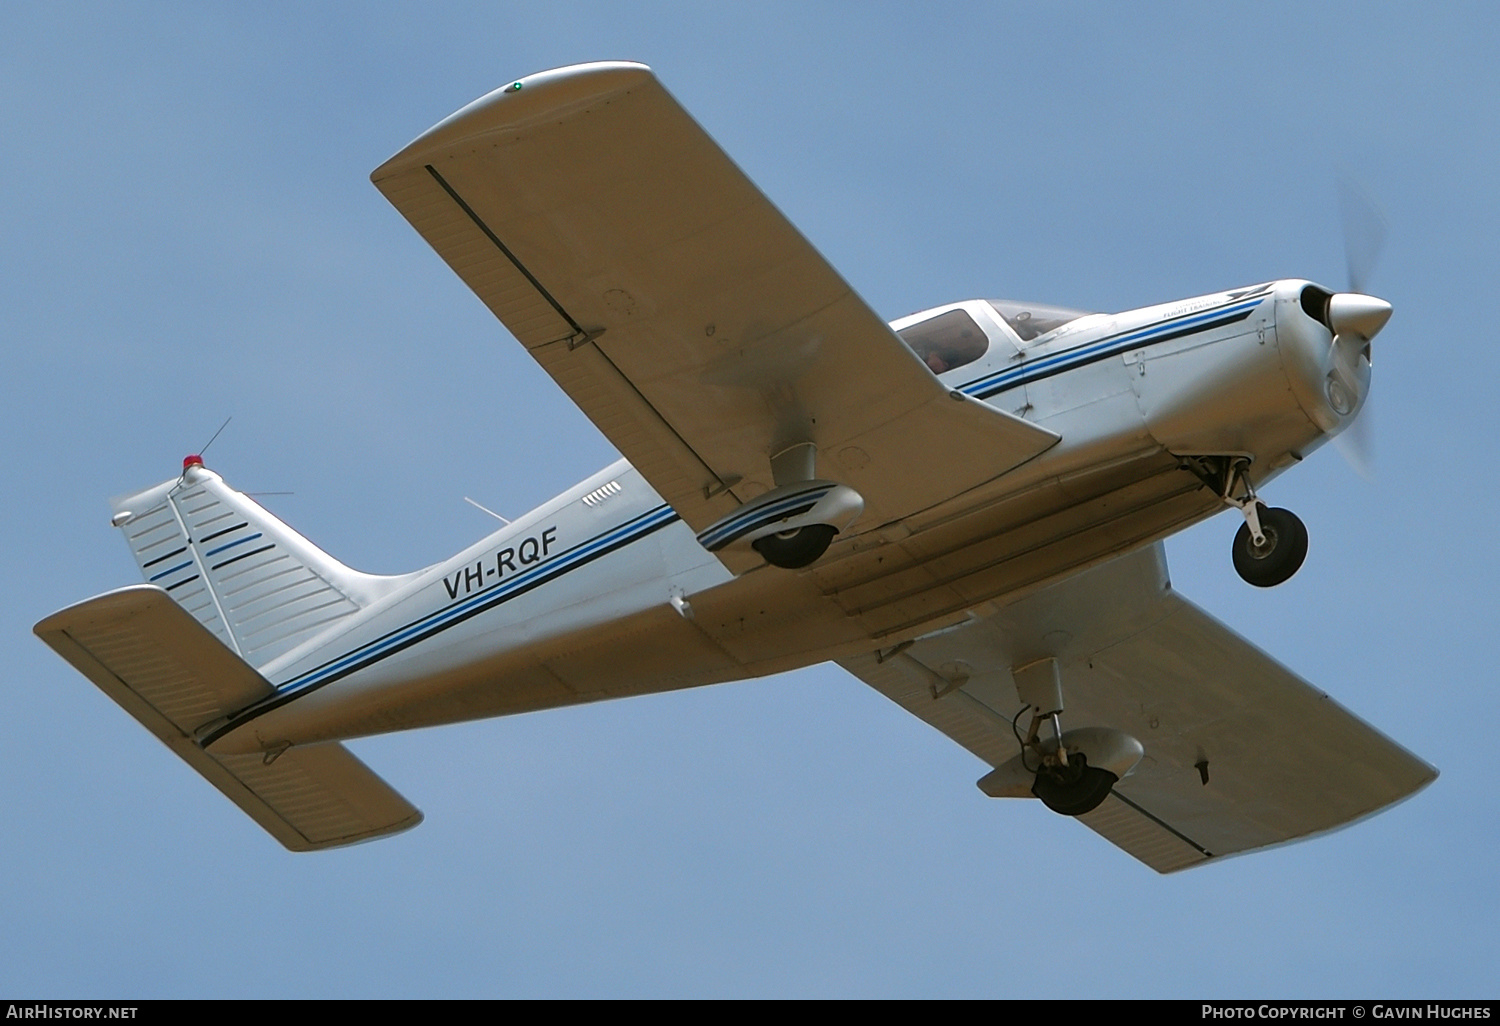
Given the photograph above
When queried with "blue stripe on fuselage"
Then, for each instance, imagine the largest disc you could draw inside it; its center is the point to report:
(440, 620)
(1056, 363)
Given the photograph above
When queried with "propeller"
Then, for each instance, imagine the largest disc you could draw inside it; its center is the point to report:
(1355, 318)
(1364, 233)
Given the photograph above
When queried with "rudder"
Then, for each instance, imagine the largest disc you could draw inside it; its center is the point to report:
(256, 584)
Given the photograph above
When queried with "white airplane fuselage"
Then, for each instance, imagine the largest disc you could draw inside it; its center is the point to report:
(604, 592)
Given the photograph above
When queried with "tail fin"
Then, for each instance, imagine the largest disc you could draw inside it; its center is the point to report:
(259, 586)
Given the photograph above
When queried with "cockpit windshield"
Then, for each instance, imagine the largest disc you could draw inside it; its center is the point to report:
(1033, 320)
(946, 341)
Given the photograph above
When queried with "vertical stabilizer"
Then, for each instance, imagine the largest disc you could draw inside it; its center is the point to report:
(259, 586)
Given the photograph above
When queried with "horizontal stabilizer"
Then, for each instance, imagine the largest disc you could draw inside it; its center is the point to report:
(174, 676)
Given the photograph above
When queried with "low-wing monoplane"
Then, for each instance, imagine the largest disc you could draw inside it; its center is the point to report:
(964, 508)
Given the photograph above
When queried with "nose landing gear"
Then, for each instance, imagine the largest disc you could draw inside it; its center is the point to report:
(1272, 542)
(1280, 551)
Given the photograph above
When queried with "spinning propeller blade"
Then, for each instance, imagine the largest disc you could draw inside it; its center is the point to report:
(1364, 233)
(1355, 317)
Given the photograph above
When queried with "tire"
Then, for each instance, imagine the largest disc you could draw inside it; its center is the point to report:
(792, 550)
(1282, 554)
(1074, 789)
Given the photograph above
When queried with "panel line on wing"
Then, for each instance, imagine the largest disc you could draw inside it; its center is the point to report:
(727, 482)
(1164, 825)
(577, 329)
(580, 334)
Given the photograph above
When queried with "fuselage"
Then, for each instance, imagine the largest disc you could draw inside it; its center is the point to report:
(604, 591)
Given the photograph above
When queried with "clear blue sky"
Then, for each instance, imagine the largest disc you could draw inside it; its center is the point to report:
(189, 233)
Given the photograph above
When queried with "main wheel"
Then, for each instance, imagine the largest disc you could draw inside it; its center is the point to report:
(793, 550)
(1282, 554)
(1073, 789)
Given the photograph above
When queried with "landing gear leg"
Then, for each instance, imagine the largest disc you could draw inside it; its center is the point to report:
(1272, 542)
(1065, 783)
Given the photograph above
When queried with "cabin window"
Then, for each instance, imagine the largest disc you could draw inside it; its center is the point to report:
(946, 341)
(1033, 320)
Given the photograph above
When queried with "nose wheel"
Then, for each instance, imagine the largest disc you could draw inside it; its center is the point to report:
(1279, 552)
(1272, 542)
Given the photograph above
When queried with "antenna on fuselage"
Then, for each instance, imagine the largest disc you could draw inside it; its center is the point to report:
(486, 509)
(216, 435)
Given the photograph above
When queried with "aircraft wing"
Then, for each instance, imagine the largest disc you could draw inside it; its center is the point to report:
(1282, 761)
(677, 307)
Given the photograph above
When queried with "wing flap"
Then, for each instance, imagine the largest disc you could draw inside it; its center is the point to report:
(623, 248)
(921, 692)
(1133, 830)
(165, 669)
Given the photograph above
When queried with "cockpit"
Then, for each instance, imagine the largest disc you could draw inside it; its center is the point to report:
(1033, 320)
(953, 338)
(946, 341)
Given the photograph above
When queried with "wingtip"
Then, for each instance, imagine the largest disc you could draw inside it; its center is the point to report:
(543, 95)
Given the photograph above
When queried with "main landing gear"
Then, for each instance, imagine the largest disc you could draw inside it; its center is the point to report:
(1272, 543)
(793, 550)
(1065, 782)
(1073, 772)
(1074, 787)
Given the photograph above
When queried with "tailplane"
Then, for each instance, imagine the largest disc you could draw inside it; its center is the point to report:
(151, 657)
(257, 585)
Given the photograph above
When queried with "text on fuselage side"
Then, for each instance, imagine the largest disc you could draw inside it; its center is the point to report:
(494, 568)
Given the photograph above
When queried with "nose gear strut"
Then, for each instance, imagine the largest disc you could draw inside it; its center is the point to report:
(1272, 542)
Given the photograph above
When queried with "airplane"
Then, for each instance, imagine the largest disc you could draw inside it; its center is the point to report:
(964, 508)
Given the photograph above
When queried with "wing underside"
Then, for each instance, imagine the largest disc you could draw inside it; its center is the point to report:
(1241, 753)
(677, 307)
